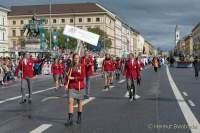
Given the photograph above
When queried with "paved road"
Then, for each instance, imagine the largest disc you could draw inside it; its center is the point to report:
(168, 102)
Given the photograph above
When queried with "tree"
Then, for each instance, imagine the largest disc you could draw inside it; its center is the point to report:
(64, 42)
(106, 42)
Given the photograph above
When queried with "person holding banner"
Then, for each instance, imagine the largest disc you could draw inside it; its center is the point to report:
(89, 67)
(107, 68)
(74, 83)
(26, 67)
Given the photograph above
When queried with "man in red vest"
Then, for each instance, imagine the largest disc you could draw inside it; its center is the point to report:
(132, 73)
(26, 66)
(87, 60)
(108, 68)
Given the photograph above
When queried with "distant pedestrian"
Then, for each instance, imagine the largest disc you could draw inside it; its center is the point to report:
(87, 60)
(155, 63)
(196, 65)
(107, 69)
(55, 69)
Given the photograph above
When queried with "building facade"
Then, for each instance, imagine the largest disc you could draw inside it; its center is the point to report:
(188, 50)
(3, 29)
(81, 15)
(196, 39)
(148, 49)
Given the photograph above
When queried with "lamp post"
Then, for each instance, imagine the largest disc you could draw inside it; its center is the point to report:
(50, 25)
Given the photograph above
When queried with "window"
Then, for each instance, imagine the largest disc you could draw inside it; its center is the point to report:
(54, 21)
(80, 20)
(22, 22)
(97, 19)
(3, 36)
(14, 43)
(71, 20)
(22, 32)
(46, 21)
(3, 21)
(14, 33)
(63, 20)
(88, 19)
(14, 22)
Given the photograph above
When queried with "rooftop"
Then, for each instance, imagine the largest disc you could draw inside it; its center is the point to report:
(55, 9)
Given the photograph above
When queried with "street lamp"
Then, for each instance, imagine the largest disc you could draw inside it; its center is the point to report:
(50, 26)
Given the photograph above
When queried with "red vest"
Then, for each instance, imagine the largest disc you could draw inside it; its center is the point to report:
(78, 72)
(61, 67)
(108, 65)
(118, 64)
(131, 69)
(26, 68)
(55, 68)
(89, 63)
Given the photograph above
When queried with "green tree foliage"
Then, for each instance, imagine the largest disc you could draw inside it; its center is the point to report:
(106, 42)
(64, 42)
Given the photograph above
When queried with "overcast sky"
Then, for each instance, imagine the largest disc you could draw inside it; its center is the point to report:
(154, 19)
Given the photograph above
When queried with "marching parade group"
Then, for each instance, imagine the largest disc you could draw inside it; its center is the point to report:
(75, 74)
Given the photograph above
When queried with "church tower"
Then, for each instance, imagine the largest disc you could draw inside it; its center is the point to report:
(177, 34)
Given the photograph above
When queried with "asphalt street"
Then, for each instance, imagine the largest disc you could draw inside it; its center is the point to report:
(167, 102)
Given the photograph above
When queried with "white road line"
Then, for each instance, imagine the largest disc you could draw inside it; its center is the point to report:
(185, 94)
(188, 114)
(41, 128)
(49, 98)
(191, 103)
(121, 81)
(18, 97)
(85, 101)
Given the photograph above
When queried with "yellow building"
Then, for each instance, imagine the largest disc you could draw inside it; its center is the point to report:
(148, 49)
(188, 50)
(196, 38)
(82, 15)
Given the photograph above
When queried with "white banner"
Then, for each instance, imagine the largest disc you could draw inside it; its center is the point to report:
(82, 35)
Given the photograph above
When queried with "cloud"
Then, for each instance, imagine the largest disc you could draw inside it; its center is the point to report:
(155, 19)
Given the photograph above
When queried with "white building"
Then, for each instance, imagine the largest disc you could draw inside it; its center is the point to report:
(118, 36)
(3, 29)
(140, 44)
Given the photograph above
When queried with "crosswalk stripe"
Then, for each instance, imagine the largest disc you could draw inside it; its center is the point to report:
(185, 94)
(121, 81)
(41, 128)
(18, 97)
(191, 103)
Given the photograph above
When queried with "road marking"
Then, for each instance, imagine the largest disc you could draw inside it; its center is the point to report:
(188, 114)
(18, 97)
(41, 128)
(48, 98)
(121, 81)
(85, 101)
(185, 94)
(191, 103)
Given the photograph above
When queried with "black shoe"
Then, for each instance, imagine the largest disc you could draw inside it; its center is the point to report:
(79, 118)
(70, 120)
(22, 101)
(29, 101)
(86, 97)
